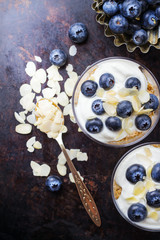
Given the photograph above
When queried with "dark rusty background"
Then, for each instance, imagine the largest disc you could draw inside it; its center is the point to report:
(27, 210)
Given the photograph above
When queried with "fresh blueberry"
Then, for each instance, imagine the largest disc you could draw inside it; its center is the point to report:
(143, 122)
(110, 7)
(143, 4)
(135, 173)
(78, 32)
(149, 20)
(53, 183)
(157, 12)
(58, 57)
(97, 107)
(113, 123)
(133, 82)
(94, 125)
(153, 2)
(152, 103)
(153, 198)
(140, 37)
(137, 212)
(124, 109)
(106, 81)
(133, 26)
(120, 7)
(131, 9)
(155, 174)
(89, 88)
(118, 24)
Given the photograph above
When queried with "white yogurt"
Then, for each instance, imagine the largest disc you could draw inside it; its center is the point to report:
(121, 69)
(136, 157)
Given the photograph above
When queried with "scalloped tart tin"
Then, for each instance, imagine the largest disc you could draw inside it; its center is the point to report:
(120, 39)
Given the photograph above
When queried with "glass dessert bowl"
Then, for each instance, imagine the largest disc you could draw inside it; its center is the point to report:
(135, 186)
(116, 102)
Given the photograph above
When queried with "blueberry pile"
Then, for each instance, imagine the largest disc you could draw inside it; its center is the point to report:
(133, 17)
(124, 108)
(138, 212)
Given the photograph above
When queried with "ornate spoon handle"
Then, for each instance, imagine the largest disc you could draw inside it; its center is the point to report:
(85, 196)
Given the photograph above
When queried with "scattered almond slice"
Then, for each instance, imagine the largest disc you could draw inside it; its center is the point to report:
(25, 89)
(35, 84)
(139, 189)
(72, 179)
(62, 170)
(23, 114)
(149, 184)
(41, 75)
(72, 50)
(127, 125)
(64, 129)
(45, 170)
(143, 96)
(123, 92)
(149, 170)
(69, 68)
(69, 86)
(153, 215)
(35, 166)
(73, 75)
(18, 118)
(82, 156)
(111, 99)
(132, 199)
(144, 111)
(79, 130)
(27, 101)
(109, 109)
(73, 153)
(61, 159)
(53, 73)
(67, 109)
(30, 69)
(38, 59)
(30, 149)
(148, 152)
(63, 99)
(30, 142)
(100, 92)
(111, 92)
(136, 103)
(37, 145)
(23, 128)
(48, 93)
(31, 118)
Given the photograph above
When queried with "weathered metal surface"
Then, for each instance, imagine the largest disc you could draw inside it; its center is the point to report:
(27, 210)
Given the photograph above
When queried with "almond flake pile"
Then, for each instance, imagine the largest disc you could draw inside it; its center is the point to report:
(31, 93)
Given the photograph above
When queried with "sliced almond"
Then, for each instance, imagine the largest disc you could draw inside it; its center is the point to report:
(82, 156)
(25, 89)
(31, 118)
(30, 149)
(30, 142)
(30, 69)
(100, 92)
(72, 50)
(143, 96)
(38, 59)
(48, 93)
(148, 152)
(153, 215)
(69, 68)
(37, 145)
(63, 99)
(62, 170)
(136, 103)
(23, 128)
(67, 109)
(69, 86)
(35, 84)
(109, 109)
(45, 170)
(41, 75)
(139, 188)
(18, 118)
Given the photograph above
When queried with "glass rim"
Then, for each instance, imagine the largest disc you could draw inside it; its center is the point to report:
(112, 192)
(108, 144)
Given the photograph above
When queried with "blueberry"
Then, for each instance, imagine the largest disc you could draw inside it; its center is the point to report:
(106, 81)
(113, 123)
(137, 212)
(53, 183)
(135, 173)
(133, 26)
(153, 198)
(143, 122)
(78, 32)
(124, 109)
(58, 57)
(153, 2)
(118, 24)
(131, 9)
(110, 7)
(89, 88)
(152, 103)
(143, 4)
(157, 12)
(149, 20)
(94, 125)
(97, 107)
(140, 37)
(133, 82)
(155, 174)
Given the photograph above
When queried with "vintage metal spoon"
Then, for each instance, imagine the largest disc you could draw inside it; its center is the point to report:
(84, 193)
